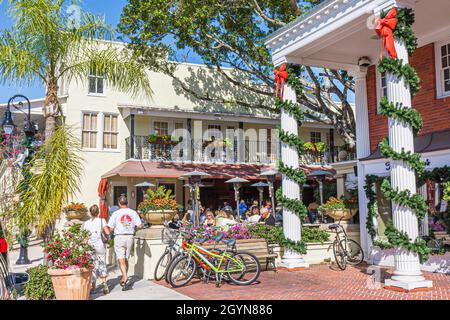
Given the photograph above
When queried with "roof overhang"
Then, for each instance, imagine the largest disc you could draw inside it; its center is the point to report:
(180, 113)
(337, 33)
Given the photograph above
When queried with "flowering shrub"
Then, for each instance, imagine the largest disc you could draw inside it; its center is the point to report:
(238, 232)
(161, 199)
(70, 249)
(78, 207)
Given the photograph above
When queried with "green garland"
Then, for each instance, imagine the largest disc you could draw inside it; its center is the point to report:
(295, 174)
(291, 139)
(401, 113)
(397, 238)
(413, 159)
(396, 67)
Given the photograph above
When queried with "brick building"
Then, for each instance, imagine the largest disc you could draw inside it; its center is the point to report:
(340, 34)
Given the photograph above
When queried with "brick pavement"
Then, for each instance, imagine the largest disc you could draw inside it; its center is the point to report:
(320, 282)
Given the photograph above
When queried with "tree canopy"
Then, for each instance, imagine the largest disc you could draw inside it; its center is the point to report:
(231, 33)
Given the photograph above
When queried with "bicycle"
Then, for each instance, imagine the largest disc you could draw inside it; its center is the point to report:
(345, 250)
(169, 237)
(236, 267)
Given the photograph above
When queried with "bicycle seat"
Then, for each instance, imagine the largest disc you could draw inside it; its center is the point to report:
(333, 226)
(218, 237)
(230, 243)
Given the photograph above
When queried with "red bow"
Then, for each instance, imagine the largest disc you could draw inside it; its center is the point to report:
(281, 76)
(385, 29)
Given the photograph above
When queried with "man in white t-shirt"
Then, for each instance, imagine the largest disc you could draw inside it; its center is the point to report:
(123, 223)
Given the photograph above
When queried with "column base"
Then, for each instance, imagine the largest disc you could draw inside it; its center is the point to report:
(408, 286)
(293, 264)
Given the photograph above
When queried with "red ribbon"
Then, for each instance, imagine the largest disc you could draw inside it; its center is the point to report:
(385, 29)
(281, 76)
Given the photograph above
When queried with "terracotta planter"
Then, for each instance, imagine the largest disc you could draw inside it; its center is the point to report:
(344, 214)
(157, 217)
(71, 284)
(70, 215)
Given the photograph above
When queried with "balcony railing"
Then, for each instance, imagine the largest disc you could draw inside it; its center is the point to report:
(255, 152)
(310, 157)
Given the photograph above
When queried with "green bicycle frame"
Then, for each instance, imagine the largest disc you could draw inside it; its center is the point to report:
(199, 252)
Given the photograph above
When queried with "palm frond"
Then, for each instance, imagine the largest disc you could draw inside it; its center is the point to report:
(56, 171)
(18, 64)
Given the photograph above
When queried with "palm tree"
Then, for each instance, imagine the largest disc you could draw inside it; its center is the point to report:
(50, 41)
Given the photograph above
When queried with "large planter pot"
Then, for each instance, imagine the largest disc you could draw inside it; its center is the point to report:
(70, 215)
(341, 214)
(71, 284)
(158, 217)
(342, 155)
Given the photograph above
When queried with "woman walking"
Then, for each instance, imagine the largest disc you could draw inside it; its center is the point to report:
(95, 227)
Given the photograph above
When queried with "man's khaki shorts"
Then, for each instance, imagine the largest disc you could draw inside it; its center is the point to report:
(123, 245)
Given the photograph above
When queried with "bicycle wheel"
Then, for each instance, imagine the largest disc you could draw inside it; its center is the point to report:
(174, 257)
(181, 271)
(355, 254)
(243, 268)
(162, 264)
(339, 254)
(4, 274)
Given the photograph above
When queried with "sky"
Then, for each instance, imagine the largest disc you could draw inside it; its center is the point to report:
(110, 9)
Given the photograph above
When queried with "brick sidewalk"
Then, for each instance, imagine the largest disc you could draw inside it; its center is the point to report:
(320, 282)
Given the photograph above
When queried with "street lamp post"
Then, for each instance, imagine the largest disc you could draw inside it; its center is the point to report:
(195, 178)
(260, 185)
(237, 184)
(270, 175)
(29, 130)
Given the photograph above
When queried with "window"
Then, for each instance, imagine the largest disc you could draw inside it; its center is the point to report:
(179, 125)
(214, 130)
(315, 137)
(444, 68)
(89, 132)
(214, 126)
(381, 88)
(96, 82)
(161, 128)
(110, 131)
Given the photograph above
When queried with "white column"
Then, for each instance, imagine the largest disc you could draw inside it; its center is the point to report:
(291, 222)
(362, 151)
(407, 274)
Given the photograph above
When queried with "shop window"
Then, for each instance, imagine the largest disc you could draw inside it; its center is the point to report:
(384, 211)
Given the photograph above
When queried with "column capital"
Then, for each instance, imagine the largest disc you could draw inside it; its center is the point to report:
(359, 73)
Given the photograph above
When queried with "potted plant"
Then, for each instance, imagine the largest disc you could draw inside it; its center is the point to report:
(162, 139)
(315, 146)
(75, 211)
(339, 209)
(158, 205)
(71, 263)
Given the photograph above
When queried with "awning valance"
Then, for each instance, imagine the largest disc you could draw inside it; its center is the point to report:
(149, 169)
